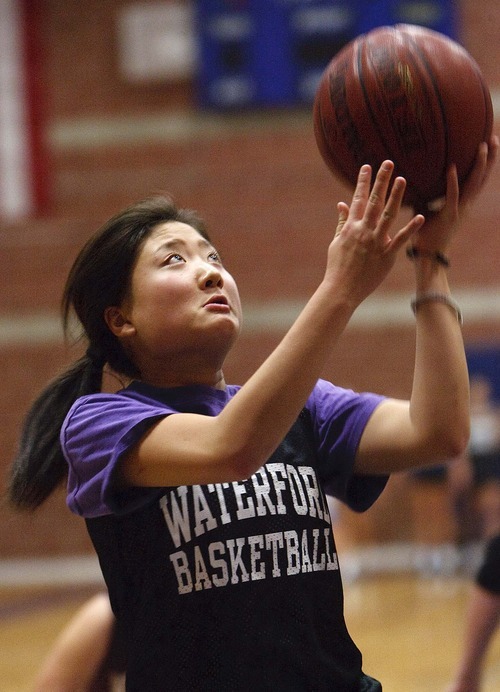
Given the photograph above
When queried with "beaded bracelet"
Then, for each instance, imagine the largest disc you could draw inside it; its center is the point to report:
(413, 252)
(434, 296)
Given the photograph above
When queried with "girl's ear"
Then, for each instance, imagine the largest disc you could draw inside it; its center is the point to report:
(117, 322)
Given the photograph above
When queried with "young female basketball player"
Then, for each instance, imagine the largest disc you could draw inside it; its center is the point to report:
(206, 501)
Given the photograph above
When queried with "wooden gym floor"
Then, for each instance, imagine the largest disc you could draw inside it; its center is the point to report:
(408, 626)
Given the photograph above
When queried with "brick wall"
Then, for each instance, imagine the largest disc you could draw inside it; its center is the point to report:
(270, 205)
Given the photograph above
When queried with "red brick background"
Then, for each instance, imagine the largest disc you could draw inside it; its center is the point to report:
(270, 205)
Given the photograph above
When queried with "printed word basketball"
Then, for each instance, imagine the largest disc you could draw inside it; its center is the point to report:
(404, 93)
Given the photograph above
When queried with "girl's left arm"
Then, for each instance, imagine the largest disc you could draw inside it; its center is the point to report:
(433, 426)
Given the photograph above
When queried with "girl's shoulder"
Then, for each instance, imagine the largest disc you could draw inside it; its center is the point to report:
(327, 398)
(142, 400)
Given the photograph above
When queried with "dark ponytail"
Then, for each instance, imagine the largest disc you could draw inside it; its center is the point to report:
(40, 466)
(99, 278)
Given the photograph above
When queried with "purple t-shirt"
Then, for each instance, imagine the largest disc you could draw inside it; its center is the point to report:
(100, 428)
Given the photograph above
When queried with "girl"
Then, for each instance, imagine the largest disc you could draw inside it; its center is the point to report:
(206, 501)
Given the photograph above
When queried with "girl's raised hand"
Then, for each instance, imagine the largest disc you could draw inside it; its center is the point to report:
(364, 249)
(442, 224)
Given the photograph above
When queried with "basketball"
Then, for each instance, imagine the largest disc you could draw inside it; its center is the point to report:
(408, 94)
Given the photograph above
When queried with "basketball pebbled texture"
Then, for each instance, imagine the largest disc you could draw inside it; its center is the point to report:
(404, 93)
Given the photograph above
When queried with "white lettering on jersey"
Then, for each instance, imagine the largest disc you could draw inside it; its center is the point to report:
(253, 558)
(276, 489)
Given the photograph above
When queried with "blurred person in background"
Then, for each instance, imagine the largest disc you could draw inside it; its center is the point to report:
(88, 655)
(475, 491)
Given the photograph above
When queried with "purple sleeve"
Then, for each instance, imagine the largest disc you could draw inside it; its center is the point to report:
(97, 431)
(339, 418)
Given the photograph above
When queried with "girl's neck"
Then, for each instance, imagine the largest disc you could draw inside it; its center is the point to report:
(216, 381)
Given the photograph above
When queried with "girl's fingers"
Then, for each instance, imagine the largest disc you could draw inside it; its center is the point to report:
(477, 176)
(361, 192)
(393, 205)
(374, 207)
(404, 235)
(377, 199)
(491, 157)
(452, 187)
(493, 147)
(343, 211)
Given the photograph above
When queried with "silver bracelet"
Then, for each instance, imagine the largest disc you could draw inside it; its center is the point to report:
(435, 297)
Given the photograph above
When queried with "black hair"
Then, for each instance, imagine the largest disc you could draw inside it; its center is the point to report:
(100, 277)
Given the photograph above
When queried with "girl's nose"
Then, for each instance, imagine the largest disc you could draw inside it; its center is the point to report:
(211, 277)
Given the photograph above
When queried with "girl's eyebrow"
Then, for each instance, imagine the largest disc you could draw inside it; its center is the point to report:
(169, 244)
(173, 243)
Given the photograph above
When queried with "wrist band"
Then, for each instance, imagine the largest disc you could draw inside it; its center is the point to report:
(413, 252)
(434, 297)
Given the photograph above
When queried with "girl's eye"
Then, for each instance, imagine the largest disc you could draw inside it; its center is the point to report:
(215, 257)
(175, 258)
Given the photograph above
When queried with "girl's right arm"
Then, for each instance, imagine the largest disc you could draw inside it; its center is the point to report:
(186, 449)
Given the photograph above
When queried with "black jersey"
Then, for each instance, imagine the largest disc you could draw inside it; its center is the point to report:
(232, 586)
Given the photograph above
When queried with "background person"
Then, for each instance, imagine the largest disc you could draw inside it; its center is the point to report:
(88, 655)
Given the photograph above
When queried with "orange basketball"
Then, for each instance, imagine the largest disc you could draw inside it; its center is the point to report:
(404, 93)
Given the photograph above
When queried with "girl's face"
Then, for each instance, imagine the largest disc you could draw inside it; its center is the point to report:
(183, 309)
